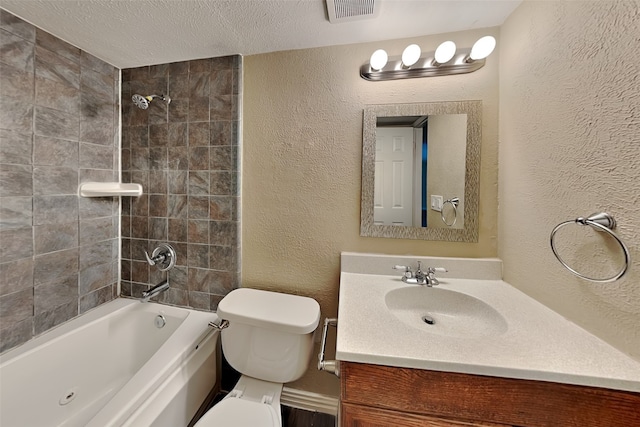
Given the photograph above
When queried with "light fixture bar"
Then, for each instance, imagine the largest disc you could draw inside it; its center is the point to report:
(425, 67)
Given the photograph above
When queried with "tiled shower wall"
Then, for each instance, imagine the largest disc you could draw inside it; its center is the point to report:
(58, 128)
(185, 155)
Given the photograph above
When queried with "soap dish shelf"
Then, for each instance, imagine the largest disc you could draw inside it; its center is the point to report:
(109, 189)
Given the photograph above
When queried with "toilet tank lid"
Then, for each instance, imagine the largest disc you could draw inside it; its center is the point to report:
(283, 312)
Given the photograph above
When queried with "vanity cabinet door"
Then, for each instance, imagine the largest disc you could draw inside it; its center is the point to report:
(364, 416)
(476, 399)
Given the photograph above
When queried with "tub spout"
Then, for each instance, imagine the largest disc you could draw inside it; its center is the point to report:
(156, 290)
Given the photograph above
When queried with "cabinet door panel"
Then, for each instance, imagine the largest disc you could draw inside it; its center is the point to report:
(364, 416)
(492, 399)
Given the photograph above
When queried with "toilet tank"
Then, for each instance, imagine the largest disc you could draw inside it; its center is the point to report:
(270, 334)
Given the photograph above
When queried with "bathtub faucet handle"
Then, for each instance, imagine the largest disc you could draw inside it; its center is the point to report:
(164, 256)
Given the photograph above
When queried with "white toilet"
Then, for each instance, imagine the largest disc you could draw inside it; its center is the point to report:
(269, 340)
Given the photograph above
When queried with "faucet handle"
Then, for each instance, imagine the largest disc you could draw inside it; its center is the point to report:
(164, 256)
(437, 270)
(156, 259)
(407, 270)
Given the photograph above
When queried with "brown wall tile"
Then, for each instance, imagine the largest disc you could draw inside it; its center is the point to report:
(56, 123)
(16, 115)
(15, 147)
(15, 83)
(48, 319)
(50, 65)
(55, 152)
(13, 334)
(16, 306)
(52, 95)
(96, 298)
(94, 156)
(190, 166)
(55, 237)
(16, 244)
(57, 95)
(54, 209)
(54, 44)
(17, 26)
(16, 212)
(16, 276)
(95, 277)
(54, 180)
(54, 294)
(55, 266)
(97, 229)
(16, 51)
(15, 180)
(96, 253)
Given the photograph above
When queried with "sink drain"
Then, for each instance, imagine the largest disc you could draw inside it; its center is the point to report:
(428, 320)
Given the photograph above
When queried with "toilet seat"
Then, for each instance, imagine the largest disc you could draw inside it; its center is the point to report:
(235, 412)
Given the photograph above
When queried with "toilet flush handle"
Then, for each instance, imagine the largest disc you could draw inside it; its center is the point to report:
(223, 325)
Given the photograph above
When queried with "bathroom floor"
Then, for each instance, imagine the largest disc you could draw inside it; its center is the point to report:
(292, 417)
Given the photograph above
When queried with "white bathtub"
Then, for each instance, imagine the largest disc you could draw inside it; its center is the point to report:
(112, 367)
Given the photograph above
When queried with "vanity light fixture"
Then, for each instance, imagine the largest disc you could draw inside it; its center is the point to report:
(410, 55)
(378, 60)
(444, 52)
(482, 48)
(446, 60)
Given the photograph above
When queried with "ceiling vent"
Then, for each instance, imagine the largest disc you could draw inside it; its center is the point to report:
(352, 10)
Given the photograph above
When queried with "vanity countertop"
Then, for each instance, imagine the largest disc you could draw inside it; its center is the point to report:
(537, 343)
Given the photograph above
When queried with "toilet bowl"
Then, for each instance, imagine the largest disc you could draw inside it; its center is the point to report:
(269, 340)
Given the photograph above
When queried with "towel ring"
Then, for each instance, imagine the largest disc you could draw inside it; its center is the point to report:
(454, 203)
(601, 222)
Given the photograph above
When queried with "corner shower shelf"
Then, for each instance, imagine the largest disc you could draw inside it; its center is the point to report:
(107, 189)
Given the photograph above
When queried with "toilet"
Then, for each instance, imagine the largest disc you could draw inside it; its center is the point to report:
(270, 341)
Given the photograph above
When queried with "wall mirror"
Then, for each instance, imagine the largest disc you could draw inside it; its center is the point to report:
(421, 171)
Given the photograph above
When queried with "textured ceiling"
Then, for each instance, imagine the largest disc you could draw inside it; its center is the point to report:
(131, 33)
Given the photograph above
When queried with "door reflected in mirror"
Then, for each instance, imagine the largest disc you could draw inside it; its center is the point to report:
(420, 171)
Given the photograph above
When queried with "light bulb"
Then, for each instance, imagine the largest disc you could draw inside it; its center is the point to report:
(410, 55)
(378, 59)
(482, 48)
(445, 52)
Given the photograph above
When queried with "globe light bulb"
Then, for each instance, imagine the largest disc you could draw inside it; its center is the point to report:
(378, 59)
(410, 55)
(482, 48)
(445, 52)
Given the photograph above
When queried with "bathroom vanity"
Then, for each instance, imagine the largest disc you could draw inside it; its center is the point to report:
(489, 355)
(375, 395)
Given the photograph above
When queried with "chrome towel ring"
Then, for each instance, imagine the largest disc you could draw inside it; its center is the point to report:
(454, 204)
(601, 222)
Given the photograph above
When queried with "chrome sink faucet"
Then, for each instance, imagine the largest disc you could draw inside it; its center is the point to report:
(420, 277)
(431, 275)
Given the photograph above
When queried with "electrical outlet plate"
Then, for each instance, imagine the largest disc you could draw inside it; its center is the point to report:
(436, 203)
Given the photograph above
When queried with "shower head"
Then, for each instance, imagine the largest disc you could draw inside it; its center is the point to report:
(144, 101)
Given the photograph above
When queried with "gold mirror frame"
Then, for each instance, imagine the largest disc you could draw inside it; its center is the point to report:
(473, 110)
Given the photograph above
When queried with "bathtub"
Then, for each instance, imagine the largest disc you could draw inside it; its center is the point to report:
(117, 365)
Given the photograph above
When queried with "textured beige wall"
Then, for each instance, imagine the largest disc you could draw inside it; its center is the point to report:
(570, 146)
(302, 153)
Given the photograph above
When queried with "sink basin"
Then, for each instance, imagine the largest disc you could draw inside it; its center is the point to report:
(444, 312)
